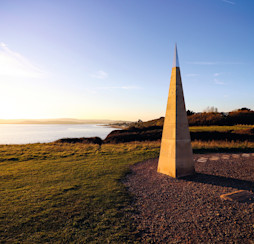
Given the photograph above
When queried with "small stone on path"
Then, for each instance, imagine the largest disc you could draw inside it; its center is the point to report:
(214, 158)
(239, 196)
(246, 155)
(225, 157)
(235, 156)
(202, 160)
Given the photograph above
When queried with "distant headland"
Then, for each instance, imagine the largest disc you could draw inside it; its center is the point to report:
(60, 121)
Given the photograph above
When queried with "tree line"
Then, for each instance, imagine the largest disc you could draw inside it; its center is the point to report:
(239, 116)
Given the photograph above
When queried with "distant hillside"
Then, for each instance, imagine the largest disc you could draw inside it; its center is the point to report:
(151, 123)
(207, 122)
(240, 116)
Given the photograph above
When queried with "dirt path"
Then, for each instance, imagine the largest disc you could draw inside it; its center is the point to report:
(190, 210)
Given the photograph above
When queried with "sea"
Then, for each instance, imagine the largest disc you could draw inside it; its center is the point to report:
(41, 133)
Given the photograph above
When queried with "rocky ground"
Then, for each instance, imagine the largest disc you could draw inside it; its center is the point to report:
(190, 210)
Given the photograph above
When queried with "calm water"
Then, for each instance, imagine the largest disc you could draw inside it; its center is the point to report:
(22, 134)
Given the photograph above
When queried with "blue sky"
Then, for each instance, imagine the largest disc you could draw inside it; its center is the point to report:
(112, 59)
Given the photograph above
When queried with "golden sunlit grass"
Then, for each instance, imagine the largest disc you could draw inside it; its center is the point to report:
(222, 146)
(63, 193)
(219, 128)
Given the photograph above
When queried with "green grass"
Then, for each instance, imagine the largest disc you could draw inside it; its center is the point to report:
(218, 128)
(222, 146)
(67, 192)
(72, 193)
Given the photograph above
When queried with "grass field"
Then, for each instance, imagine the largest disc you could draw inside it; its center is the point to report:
(222, 146)
(67, 192)
(63, 193)
(220, 128)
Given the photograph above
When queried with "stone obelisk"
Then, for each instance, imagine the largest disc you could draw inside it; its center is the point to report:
(176, 159)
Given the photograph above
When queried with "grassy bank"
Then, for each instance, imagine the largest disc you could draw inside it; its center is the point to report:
(220, 128)
(149, 132)
(222, 146)
(60, 192)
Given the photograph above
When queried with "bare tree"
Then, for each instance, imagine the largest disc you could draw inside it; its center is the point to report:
(211, 110)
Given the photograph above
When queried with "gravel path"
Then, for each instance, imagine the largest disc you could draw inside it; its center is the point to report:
(190, 210)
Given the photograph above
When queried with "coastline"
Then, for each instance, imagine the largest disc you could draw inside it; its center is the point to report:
(47, 133)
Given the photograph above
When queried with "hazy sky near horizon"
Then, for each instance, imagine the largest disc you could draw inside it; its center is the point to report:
(112, 59)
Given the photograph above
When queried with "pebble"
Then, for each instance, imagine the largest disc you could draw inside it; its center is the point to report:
(225, 156)
(246, 155)
(235, 155)
(214, 158)
(202, 160)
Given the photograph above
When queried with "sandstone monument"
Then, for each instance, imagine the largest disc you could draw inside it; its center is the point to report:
(176, 159)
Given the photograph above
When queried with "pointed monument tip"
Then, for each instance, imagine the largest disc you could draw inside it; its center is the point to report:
(176, 61)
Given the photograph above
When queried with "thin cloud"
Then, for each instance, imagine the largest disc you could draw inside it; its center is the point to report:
(100, 75)
(227, 1)
(15, 65)
(218, 82)
(216, 74)
(91, 91)
(130, 87)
